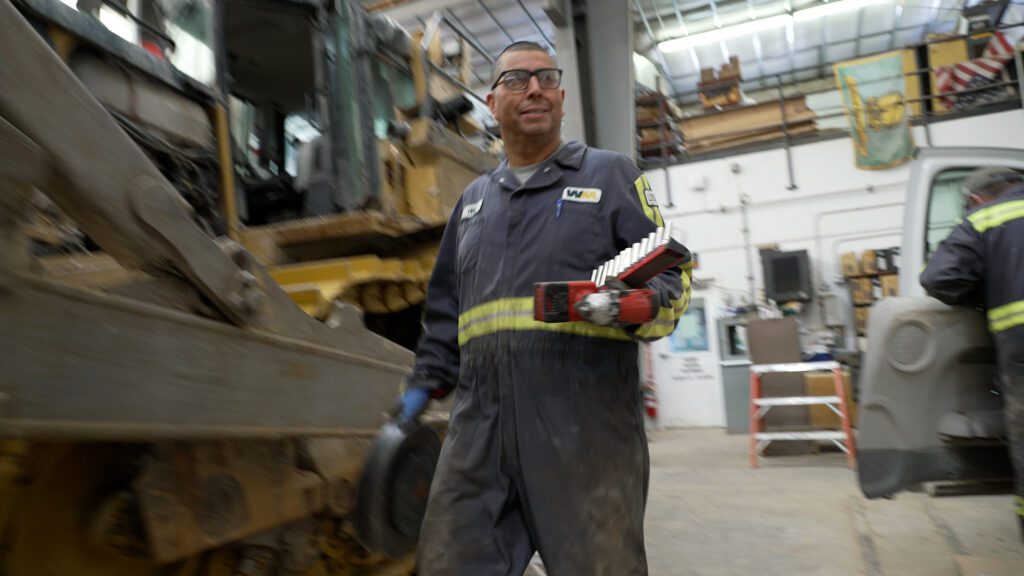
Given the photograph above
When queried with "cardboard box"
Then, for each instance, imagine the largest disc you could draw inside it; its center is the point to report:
(860, 319)
(647, 114)
(890, 285)
(823, 384)
(849, 264)
(650, 136)
(888, 260)
(862, 290)
(869, 262)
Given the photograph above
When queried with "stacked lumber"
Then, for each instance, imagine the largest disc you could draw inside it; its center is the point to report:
(747, 125)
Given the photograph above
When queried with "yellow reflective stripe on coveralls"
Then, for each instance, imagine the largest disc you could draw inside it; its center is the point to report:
(516, 314)
(993, 216)
(665, 322)
(643, 188)
(1006, 316)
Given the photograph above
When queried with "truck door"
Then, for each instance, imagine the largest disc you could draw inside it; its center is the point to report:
(930, 404)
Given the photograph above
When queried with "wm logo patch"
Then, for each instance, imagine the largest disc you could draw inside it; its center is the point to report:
(590, 195)
(470, 210)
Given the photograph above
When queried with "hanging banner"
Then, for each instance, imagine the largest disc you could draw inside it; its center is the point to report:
(872, 92)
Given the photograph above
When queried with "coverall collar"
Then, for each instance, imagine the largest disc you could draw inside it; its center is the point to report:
(568, 156)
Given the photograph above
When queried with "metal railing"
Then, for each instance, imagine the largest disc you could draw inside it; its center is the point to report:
(920, 110)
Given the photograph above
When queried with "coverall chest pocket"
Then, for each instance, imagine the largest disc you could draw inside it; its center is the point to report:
(578, 236)
(468, 249)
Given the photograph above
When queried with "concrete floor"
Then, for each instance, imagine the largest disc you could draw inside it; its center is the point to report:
(710, 514)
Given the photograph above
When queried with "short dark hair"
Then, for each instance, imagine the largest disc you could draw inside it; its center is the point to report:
(520, 46)
(992, 181)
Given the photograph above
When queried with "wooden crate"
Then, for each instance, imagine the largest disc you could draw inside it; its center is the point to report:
(823, 384)
(869, 262)
(849, 264)
(862, 290)
(890, 285)
(860, 319)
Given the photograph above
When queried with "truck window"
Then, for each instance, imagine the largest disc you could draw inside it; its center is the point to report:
(298, 131)
(190, 24)
(945, 206)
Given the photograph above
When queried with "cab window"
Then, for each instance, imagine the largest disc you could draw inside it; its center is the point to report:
(945, 206)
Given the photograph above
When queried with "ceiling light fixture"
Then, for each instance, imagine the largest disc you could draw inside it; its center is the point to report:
(831, 8)
(753, 26)
(724, 33)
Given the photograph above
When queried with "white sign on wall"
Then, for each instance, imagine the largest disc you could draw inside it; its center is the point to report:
(687, 372)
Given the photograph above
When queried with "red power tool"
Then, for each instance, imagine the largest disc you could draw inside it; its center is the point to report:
(615, 294)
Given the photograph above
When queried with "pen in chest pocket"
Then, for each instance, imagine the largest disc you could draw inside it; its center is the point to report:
(558, 208)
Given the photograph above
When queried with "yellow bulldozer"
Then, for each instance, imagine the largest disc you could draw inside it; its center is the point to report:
(218, 218)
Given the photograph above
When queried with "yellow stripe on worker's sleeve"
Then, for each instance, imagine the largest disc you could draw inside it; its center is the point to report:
(665, 323)
(1006, 316)
(650, 206)
(994, 216)
(516, 314)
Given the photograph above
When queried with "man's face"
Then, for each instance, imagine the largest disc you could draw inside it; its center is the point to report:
(533, 112)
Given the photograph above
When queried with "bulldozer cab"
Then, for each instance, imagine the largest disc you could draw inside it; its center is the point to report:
(326, 140)
(312, 86)
(931, 410)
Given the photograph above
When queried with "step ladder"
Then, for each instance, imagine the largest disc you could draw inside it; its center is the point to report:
(760, 406)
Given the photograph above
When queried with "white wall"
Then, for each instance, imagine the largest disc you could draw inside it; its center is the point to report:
(834, 208)
(689, 382)
(646, 72)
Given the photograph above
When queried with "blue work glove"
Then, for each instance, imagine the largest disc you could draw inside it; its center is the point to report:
(411, 405)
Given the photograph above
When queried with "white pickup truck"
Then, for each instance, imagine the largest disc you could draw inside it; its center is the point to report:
(930, 404)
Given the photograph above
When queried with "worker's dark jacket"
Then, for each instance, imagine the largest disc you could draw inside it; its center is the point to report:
(982, 263)
(546, 447)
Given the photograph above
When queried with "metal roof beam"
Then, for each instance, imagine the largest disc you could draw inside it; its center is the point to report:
(495, 20)
(469, 36)
(756, 37)
(823, 47)
(790, 37)
(662, 63)
(930, 26)
(860, 24)
(718, 24)
(537, 26)
(809, 49)
(682, 26)
(897, 20)
(690, 8)
(403, 12)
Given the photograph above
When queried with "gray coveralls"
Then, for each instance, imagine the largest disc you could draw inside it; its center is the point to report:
(982, 262)
(546, 448)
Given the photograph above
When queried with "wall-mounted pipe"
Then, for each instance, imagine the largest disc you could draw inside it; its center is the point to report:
(748, 247)
(879, 234)
(824, 288)
(821, 215)
(870, 189)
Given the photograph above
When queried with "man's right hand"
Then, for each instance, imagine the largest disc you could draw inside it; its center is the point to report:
(411, 405)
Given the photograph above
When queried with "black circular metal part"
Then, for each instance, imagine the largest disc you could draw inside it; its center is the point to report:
(394, 487)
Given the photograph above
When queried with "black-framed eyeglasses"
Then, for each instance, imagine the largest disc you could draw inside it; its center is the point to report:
(519, 80)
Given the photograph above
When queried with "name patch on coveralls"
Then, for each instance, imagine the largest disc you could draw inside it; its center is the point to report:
(470, 210)
(589, 195)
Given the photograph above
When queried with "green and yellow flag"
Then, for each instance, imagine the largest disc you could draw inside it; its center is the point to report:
(872, 92)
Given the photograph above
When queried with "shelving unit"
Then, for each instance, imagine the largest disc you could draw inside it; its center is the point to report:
(658, 137)
(868, 287)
